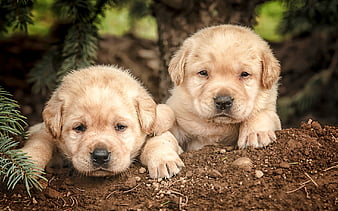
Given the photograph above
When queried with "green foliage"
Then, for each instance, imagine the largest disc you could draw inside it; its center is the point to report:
(15, 165)
(15, 14)
(305, 16)
(269, 16)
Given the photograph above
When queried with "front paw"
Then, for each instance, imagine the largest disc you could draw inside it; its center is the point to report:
(256, 139)
(161, 155)
(164, 164)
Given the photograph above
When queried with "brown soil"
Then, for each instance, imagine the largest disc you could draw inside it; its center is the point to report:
(299, 173)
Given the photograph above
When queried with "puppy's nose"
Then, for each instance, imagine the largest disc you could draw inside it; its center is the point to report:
(223, 102)
(100, 157)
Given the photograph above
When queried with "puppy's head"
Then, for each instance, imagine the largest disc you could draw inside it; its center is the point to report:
(100, 117)
(224, 71)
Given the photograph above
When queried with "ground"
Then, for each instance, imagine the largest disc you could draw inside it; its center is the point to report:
(297, 172)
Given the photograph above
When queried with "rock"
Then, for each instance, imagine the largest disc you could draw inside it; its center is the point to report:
(51, 193)
(229, 148)
(243, 163)
(142, 170)
(223, 151)
(259, 173)
(284, 165)
(279, 171)
(34, 201)
(214, 173)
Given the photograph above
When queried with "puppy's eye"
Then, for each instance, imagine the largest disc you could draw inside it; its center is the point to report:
(244, 74)
(203, 73)
(120, 127)
(80, 128)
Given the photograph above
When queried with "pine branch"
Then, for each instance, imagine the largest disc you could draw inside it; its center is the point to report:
(16, 14)
(15, 165)
(11, 121)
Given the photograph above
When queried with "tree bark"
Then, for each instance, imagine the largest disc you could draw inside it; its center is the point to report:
(177, 19)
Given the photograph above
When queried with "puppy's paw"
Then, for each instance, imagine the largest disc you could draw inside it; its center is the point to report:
(256, 139)
(161, 155)
(165, 165)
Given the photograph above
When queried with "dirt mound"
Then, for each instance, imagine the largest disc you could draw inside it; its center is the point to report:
(297, 172)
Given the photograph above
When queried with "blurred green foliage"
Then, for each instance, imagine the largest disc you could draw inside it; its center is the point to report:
(117, 20)
(269, 17)
(121, 20)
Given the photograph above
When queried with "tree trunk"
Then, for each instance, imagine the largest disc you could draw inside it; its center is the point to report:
(177, 19)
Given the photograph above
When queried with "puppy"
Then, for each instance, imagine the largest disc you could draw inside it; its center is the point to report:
(99, 118)
(225, 89)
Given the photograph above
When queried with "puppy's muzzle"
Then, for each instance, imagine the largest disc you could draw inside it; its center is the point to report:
(223, 103)
(100, 157)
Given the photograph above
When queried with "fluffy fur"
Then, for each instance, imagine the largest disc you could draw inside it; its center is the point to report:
(99, 119)
(225, 89)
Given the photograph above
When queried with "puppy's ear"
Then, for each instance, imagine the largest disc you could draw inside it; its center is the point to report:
(176, 66)
(271, 69)
(146, 110)
(52, 116)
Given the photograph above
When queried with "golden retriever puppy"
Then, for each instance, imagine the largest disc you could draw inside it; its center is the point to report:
(99, 118)
(225, 89)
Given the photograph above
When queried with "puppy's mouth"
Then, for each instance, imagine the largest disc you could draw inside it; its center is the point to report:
(101, 172)
(222, 115)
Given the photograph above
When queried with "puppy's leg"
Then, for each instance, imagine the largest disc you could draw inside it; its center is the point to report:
(165, 118)
(39, 146)
(259, 131)
(161, 155)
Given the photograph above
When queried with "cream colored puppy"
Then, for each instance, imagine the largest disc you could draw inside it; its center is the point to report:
(99, 118)
(225, 89)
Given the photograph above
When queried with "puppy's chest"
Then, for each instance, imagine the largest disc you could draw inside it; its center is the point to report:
(197, 136)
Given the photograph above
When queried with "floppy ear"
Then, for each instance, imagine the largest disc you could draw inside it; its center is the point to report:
(176, 66)
(271, 69)
(52, 116)
(146, 110)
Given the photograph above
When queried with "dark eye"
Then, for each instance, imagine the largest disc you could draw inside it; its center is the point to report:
(203, 73)
(244, 74)
(80, 128)
(120, 127)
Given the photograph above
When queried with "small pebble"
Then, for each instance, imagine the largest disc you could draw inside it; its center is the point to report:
(259, 173)
(284, 165)
(279, 171)
(142, 170)
(243, 163)
(229, 148)
(34, 201)
(214, 173)
(222, 151)
(137, 179)
(52, 193)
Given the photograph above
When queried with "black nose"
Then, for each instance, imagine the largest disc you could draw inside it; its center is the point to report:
(223, 102)
(100, 157)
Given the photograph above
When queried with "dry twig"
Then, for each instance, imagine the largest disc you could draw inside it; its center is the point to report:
(306, 174)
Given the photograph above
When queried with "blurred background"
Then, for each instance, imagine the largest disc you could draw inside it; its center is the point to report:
(42, 40)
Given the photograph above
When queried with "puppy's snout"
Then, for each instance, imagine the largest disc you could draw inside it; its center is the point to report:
(223, 102)
(100, 157)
